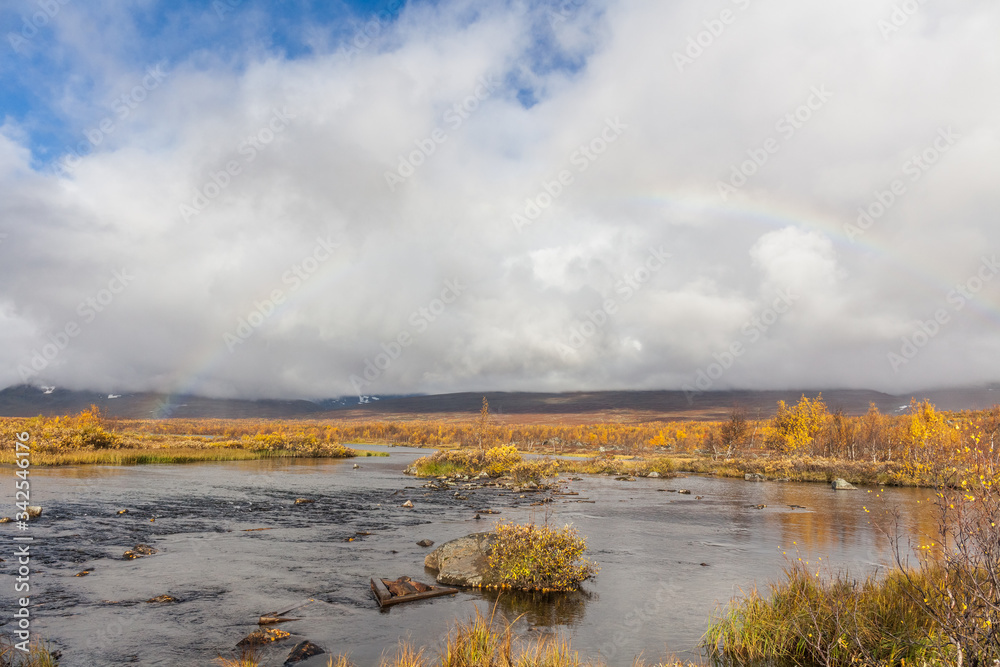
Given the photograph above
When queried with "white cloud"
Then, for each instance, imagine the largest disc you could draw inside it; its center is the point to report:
(349, 121)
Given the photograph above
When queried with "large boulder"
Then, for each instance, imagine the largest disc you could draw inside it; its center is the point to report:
(461, 562)
(840, 484)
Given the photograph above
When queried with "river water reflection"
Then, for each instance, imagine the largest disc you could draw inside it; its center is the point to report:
(668, 560)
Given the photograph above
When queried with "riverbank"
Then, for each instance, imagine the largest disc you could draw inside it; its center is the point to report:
(174, 454)
(802, 469)
(479, 642)
(802, 442)
(509, 462)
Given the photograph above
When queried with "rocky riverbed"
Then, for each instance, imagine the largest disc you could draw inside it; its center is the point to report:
(232, 544)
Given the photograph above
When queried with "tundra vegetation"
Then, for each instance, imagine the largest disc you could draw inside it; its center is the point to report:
(37, 654)
(478, 642)
(537, 557)
(804, 442)
(938, 605)
(91, 437)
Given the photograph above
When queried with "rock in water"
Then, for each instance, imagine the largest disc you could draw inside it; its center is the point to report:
(753, 477)
(301, 651)
(34, 511)
(425, 543)
(653, 474)
(139, 551)
(840, 484)
(259, 637)
(303, 501)
(461, 562)
(408, 503)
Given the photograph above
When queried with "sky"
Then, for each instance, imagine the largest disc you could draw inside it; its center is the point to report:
(302, 199)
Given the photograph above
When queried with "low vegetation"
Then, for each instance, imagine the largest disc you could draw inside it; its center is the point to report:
(480, 642)
(497, 462)
(812, 619)
(533, 557)
(90, 437)
(37, 655)
(942, 610)
(801, 442)
(608, 464)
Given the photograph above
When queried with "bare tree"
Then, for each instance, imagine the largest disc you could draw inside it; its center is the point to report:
(957, 581)
(734, 432)
(483, 430)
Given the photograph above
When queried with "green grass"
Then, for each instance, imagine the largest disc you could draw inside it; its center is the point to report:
(440, 468)
(604, 465)
(496, 462)
(809, 619)
(181, 454)
(813, 469)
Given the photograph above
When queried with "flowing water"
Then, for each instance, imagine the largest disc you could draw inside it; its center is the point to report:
(668, 560)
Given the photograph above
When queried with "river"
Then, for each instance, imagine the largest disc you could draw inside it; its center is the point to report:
(668, 560)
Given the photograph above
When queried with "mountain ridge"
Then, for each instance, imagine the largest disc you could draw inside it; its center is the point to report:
(616, 405)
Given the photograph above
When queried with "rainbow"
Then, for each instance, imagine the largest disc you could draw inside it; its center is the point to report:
(203, 362)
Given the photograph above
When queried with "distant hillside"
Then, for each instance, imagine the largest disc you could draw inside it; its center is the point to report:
(25, 401)
(656, 405)
(627, 406)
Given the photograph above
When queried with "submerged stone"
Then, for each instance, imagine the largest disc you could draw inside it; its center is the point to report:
(258, 637)
(301, 651)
